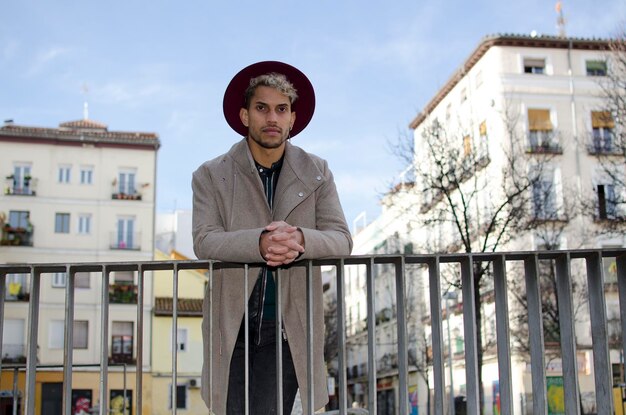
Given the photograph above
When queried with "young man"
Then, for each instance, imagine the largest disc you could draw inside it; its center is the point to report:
(265, 202)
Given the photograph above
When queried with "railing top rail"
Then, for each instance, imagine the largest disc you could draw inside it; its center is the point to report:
(348, 260)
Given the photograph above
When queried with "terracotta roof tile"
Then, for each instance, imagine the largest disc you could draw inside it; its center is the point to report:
(187, 307)
(80, 132)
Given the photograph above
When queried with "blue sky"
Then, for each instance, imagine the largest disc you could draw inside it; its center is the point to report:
(163, 66)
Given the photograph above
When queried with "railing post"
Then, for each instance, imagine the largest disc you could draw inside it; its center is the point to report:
(341, 338)
(279, 343)
(502, 329)
(33, 325)
(535, 331)
(3, 281)
(309, 334)
(437, 334)
(68, 348)
(246, 346)
(470, 333)
(567, 334)
(403, 359)
(371, 336)
(104, 341)
(174, 387)
(597, 310)
(139, 361)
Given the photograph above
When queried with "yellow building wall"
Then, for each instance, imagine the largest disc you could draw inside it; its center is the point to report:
(89, 380)
(191, 283)
(162, 401)
(189, 361)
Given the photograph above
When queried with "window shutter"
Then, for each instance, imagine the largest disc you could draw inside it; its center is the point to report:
(539, 119)
(483, 128)
(602, 119)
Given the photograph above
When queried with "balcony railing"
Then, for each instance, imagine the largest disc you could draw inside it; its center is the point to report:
(20, 187)
(544, 142)
(13, 353)
(127, 240)
(402, 271)
(123, 293)
(11, 236)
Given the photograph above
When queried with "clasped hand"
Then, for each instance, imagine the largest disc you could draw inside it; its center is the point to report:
(281, 243)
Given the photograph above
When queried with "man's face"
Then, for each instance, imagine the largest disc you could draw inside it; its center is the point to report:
(268, 118)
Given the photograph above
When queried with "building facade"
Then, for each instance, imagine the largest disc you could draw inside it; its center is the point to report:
(77, 193)
(522, 128)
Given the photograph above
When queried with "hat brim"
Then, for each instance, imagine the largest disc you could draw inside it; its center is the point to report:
(304, 106)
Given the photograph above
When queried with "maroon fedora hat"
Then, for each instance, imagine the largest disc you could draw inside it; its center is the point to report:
(235, 94)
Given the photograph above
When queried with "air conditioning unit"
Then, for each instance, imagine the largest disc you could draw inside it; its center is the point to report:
(194, 383)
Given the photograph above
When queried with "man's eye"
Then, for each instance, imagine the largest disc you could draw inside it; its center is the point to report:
(260, 107)
(282, 109)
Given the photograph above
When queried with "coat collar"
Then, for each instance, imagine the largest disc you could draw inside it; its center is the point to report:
(299, 177)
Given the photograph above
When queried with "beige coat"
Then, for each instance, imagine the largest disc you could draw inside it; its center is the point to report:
(229, 213)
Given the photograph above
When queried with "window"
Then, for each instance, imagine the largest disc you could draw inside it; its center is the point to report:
(544, 195)
(181, 396)
(607, 203)
(81, 280)
(86, 175)
(182, 342)
(126, 182)
(13, 341)
(602, 132)
(19, 219)
(125, 234)
(15, 287)
(596, 68)
(65, 173)
(534, 65)
(482, 133)
(84, 223)
(540, 134)
(62, 223)
(463, 95)
(56, 334)
(478, 79)
(122, 341)
(21, 179)
(467, 145)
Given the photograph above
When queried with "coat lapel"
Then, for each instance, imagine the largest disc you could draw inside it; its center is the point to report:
(294, 188)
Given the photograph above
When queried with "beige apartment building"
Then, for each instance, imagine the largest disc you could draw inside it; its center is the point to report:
(76, 193)
(540, 95)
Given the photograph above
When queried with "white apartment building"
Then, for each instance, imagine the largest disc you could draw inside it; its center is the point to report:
(76, 193)
(538, 99)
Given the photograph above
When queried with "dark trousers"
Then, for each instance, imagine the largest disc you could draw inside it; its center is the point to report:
(262, 371)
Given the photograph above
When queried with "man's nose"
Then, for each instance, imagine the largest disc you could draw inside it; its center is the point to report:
(272, 116)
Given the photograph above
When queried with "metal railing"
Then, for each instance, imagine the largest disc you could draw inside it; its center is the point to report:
(562, 261)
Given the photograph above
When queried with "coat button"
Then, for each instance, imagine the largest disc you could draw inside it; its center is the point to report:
(301, 194)
(319, 178)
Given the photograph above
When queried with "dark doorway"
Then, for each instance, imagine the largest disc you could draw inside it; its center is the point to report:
(52, 398)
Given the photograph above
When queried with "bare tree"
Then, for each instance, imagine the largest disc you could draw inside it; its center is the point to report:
(458, 190)
(607, 142)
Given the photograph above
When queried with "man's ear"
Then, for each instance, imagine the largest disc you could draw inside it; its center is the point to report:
(293, 120)
(243, 116)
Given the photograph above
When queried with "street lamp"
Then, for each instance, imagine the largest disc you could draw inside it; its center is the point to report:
(450, 295)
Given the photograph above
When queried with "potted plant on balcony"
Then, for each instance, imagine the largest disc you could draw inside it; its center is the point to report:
(27, 179)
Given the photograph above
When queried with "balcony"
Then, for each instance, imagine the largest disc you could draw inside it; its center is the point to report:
(126, 196)
(13, 353)
(543, 142)
(20, 187)
(16, 236)
(603, 144)
(123, 293)
(587, 263)
(126, 241)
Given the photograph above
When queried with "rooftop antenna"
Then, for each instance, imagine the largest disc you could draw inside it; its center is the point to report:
(560, 19)
(85, 90)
